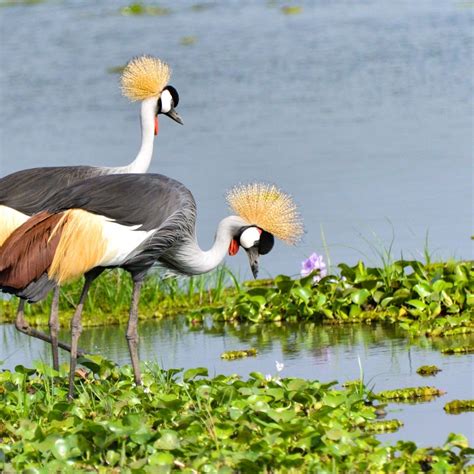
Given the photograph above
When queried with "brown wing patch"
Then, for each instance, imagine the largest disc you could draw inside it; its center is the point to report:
(29, 250)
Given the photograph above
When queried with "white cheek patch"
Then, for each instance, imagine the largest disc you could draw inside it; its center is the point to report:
(249, 237)
(166, 101)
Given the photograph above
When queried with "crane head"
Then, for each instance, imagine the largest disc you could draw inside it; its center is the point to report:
(255, 242)
(168, 100)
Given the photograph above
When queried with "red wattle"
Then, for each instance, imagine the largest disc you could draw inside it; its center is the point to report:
(233, 247)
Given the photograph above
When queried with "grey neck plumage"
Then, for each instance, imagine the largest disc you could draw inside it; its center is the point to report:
(190, 259)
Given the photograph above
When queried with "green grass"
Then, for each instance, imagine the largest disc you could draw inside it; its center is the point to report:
(432, 299)
(108, 300)
(188, 422)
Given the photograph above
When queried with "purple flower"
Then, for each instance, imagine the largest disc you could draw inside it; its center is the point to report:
(314, 262)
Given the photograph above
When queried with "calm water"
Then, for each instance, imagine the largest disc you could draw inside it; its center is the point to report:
(307, 350)
(362, 110)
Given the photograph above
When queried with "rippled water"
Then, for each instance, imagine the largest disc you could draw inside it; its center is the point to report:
(307, 350)
(362, 110)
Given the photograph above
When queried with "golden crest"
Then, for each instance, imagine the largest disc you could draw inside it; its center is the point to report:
(269, 208)
(144, 77)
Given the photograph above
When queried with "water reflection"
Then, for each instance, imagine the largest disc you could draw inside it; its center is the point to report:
(308, 350)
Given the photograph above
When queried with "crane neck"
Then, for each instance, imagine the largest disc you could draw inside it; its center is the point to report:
(147, 121)
(194, 261)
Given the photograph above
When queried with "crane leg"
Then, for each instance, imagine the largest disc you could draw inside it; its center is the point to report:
(22, 326)
(54, 327)
(132, 330)
(76, 329)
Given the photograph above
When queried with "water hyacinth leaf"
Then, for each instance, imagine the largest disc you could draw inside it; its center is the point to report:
(458, 440)
(163, 459)
(191, 374)
(360, 297)
(301, 293)
(169, 440)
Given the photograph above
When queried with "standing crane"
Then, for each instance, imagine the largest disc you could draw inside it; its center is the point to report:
(132, 222)
(24, 193)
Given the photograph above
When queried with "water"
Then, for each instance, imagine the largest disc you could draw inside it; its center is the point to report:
(362, 110)
(307, 350)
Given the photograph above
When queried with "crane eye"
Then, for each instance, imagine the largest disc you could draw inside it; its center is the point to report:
(250, 237)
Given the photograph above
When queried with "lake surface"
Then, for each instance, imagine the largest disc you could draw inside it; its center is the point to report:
(361, 110)
(307, 350)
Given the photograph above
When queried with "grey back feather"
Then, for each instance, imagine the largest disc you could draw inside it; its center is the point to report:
(26, 191)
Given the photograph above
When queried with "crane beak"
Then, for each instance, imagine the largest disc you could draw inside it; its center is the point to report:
(253, 255)
(172, 114)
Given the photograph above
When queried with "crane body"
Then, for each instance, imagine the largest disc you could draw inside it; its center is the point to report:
(134, 221)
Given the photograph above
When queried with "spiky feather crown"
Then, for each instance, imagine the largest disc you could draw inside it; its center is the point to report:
(144, 77)
(269, 208)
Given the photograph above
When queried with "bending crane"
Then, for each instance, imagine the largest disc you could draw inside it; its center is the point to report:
(134, 221)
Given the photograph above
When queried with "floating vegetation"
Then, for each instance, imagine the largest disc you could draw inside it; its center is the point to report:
(458, 406)
(291, 10)
(142, 9)
(14, 3)
(192, 423)
(426, 370)
(425, 299)
(459, 350)
(187, 40)
(382, 426)
(231, 355)
(410, 393)
(116, 69)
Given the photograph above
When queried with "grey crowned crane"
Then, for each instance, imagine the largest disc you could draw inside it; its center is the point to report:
(134, 221)
(24, 193)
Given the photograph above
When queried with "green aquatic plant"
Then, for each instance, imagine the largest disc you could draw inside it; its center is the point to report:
(291, 10)
(239, 354)
(458, 350)
(192, 423)
(410, 393)
(433, 299)
(458, 406)
(14, 3)
(139, 8)
(383, 426)
(428, 370)
(469, 349)
(424, 299)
